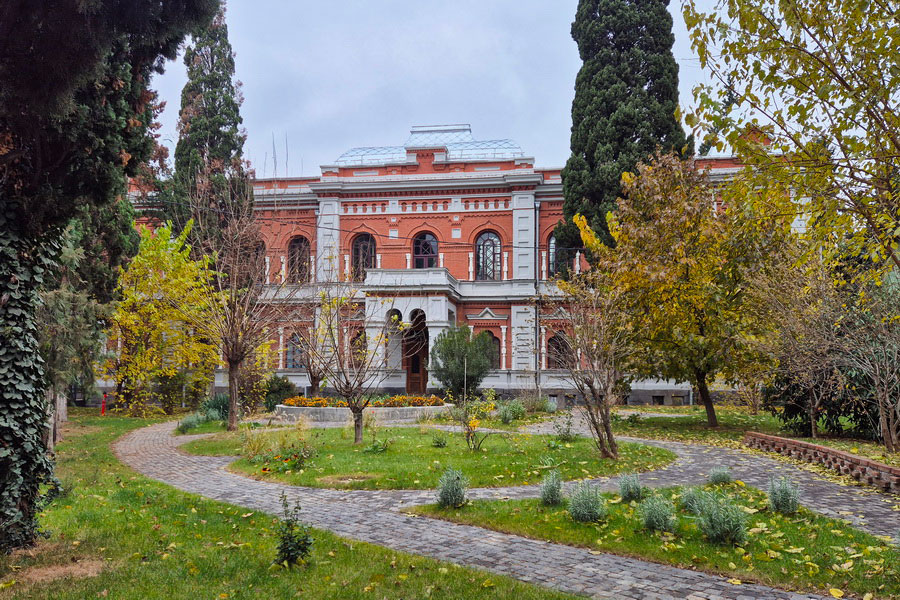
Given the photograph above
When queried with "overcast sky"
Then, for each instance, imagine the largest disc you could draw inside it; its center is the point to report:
(326, 76)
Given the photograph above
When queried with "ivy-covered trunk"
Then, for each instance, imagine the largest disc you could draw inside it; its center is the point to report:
(24, 461)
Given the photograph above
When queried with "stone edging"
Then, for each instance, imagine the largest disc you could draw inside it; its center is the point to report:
(861, 469)
(339, 414)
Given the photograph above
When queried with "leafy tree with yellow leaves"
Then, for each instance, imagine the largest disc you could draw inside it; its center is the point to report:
(150, 335)
(681, 272)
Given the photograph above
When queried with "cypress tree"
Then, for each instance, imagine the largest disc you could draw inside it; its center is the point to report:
(209, 153)
(626, 96)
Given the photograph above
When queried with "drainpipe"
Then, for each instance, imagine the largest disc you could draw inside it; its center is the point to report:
(537, 304)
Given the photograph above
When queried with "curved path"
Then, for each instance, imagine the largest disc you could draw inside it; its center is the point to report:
(373, 516)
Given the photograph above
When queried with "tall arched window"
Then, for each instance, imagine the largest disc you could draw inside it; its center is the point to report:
(495, 347)
(559, 352)
(293, 354)
(425, 251)
(552, 265)
(298, 260)
(362, 256)
(487, 257)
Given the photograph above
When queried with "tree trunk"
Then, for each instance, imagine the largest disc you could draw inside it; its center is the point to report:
(233, 396)
(703, 391)
(887, 429)
(314, 386)
(357, 425)
(813, 419)
(24, 461)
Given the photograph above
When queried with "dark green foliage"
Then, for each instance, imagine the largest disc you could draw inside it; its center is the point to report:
(210, 139)
(294, 538)
(74, 110)
(218, 403)
(630, 487)
(278, 389)
(511, 410)
(626, 96)
(438, 439)
(459, 360)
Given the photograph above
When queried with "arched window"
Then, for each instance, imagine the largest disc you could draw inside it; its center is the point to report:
(487, 257)
(559, 352)
(362, 256)
(495, 347)
(554, 258)
(425, 251)
(298, 260)
(294, 357)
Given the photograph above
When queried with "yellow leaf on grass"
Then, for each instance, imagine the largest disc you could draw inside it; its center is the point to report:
(836, 592)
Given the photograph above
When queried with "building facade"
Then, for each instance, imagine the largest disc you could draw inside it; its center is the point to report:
(453, 230)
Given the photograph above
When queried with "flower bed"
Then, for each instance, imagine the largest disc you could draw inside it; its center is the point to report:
(390, 402)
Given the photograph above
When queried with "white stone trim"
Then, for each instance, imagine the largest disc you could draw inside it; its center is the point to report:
(503, 346)
(543, 347)
(505, 266)
(281, 347)
(471, 266)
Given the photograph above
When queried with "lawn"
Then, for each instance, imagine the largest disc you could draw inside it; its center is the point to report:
(116, 534)
(800, 552)
(207, 427)
(692, 426)
(412, 462)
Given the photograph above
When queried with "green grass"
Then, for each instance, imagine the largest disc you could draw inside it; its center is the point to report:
(870, 450)
(208, 427)
(692, 427)
(412, 463)
(150, 541)
(805, 551)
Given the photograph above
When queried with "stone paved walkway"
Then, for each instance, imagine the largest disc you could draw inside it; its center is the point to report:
(373, 516)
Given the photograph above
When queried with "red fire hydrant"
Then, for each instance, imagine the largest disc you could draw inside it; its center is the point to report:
(103, 405)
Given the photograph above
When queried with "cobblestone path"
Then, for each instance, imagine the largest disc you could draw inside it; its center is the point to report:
(373, 516)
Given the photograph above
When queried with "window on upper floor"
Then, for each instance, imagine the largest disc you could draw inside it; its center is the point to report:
(362, 256)
(552, 269)
(425, 251)
(298, 260)
(293, 354)
(487, 257)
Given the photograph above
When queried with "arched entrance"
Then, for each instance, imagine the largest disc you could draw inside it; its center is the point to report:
(415, 352)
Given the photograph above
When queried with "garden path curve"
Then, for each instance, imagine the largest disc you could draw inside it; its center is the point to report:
(373, 516)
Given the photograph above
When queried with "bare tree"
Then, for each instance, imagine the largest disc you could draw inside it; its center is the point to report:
(348, 343)
(597, 350)
(872, 340)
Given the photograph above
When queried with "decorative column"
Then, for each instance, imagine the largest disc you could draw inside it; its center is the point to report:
(268, 271)
(408, 261)
(505, 266)
(281, 347)
(347, 265)
(377, 261)
(578, 262)
(283, 269)
(543, 347)
(471, 266)
(312, 267)
(441, 260)
(503, 346)
(543, 264)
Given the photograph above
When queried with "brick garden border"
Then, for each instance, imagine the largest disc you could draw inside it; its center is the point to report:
(862, 469)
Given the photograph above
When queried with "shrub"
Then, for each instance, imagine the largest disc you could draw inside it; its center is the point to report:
(451, 491)
(534, 403)
(459, 360)
(278, 389)
(218, 403)
(693, 500)
(551, 489)
(192, 421)
(586, 504)
(719, 475)
(722, 521)
(438, 439)
(657, 514)
(294, 539)
(511, 410)
(784, 495)
(630, 487)
(563, 428)
(378, 446)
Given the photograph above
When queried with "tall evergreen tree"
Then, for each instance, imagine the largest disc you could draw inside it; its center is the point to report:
(73, 95)
(626, 96)
(210, 145)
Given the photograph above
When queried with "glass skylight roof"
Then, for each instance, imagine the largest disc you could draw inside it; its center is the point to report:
(456, 138)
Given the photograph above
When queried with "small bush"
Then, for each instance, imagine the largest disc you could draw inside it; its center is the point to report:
(563, 429)
(551, 489)
(294, 538)
(784, 495)
(657, 514)
(534, 403)
(510, 411)
(722, 521)
(630, 487)
(379, 446)
(693, 500)
(586, 504)
(451, 491)
(192, 421)
(218, 403)
(438, 439)
(719, 475)
(278, 389)
(633, 419)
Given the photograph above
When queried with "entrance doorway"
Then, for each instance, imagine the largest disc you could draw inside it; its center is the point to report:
(415, 352)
